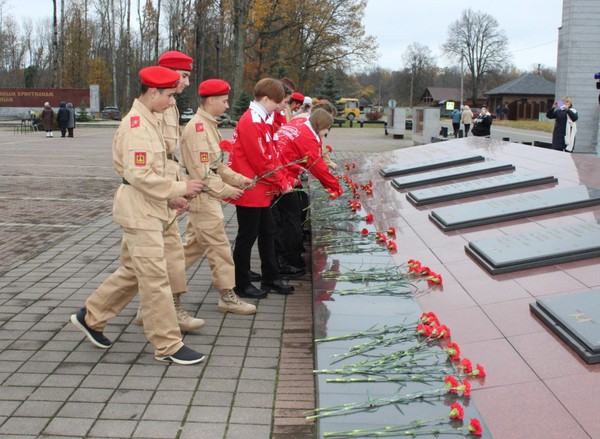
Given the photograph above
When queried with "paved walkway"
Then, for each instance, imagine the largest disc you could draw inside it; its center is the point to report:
(58, 243)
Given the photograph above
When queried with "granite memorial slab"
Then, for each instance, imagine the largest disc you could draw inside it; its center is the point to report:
(521, 251)
(575, 318)
(479, 168)
(515, 206)
(426, 165)
(487, 185)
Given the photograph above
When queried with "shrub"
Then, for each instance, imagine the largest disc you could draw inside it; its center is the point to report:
(374, 115)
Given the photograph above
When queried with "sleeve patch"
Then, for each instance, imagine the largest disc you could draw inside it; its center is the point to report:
(140, 158)
(199, 127)
(134, 122)
(204, 157)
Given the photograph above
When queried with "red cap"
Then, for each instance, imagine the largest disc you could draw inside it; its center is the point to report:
(296, 96)
(176, 60)
(213, 87)
(159, 77)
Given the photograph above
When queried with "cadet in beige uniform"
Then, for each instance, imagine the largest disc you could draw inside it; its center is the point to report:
(205, 231)
(141, 208)
(182, 64)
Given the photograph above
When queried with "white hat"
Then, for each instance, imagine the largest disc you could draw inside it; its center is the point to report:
(307, 100)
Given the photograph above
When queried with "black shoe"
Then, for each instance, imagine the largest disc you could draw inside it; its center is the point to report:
(184, 355)
(277, 286)
(250, 292)
(289, 271)
(254, 277)
(96, 337)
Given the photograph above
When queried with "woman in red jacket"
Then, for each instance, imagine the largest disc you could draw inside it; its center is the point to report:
(254, 155)
(299, 139)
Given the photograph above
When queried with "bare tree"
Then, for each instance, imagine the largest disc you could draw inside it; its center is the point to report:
(54, 45)
(241, 9)
(477, 39)
(420, 64)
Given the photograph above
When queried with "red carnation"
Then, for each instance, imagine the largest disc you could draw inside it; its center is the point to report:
(225, 145)
(456, 411)
(391, 231)
(451, 384)
(453, 352)
(466, 388)
(329, 148)
(369, 218)
(364, 231)
(391, 245)
(466, 365)
(475, 427)
(479, 371)
(430, 318)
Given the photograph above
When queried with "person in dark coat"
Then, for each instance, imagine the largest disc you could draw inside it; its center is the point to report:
(63, 118)
(563, 135)
(47, 119)
(483, 123)
(71, 122)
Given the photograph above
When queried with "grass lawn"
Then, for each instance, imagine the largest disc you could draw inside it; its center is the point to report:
(526, 125)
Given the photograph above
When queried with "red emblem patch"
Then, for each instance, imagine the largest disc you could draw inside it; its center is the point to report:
(203, 157)
(134, 122)
(199, 127)
(140, 159)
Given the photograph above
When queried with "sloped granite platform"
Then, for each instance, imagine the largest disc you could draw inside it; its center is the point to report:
(536, 385)
(575, 318)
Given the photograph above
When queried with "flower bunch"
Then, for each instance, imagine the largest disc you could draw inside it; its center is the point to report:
(431, 276)
(416, 428)
(451, 386)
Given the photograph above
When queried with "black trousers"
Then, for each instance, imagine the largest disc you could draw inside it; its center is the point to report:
(287, 212)
(253, 223)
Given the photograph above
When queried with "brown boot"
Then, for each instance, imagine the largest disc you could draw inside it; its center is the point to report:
(231, 302)
(186, 322)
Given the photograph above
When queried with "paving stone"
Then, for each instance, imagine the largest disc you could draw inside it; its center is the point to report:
(208, 414)
(113, 429)
(203, 430)
(157, 430)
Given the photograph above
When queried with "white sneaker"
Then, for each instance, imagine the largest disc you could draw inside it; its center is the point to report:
(231, 302)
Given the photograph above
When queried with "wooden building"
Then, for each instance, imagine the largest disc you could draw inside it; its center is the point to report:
(525, 98)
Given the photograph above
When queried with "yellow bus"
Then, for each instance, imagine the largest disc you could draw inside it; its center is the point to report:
(348, 108)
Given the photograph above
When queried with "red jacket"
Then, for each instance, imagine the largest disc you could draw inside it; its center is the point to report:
(254, 154)
(297, 140)
(279, 119)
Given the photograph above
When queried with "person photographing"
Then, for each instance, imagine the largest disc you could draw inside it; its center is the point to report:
(563, 135)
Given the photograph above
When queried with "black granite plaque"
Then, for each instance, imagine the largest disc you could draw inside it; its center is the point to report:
(575, 318)
(514, 206)
(551, 246)
(426, 165)
(487, 185)
(485, 167)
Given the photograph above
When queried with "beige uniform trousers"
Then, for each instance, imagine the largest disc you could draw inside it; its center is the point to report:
(143, 267)
(205, 234)
(175, 259)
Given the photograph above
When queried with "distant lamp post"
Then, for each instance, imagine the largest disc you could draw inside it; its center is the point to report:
(462, 75)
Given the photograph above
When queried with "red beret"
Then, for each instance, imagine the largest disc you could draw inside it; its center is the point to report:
(176, 60)
(159, 77)
(296, 96)
(213, 87)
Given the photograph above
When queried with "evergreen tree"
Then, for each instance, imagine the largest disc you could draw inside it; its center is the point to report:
(329, 89)
(241, 105)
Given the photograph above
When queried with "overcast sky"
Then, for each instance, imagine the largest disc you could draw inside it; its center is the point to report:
(530, 25)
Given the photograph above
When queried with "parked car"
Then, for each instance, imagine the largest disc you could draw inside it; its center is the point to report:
(225, 121)
(111, 113)
(186, 115)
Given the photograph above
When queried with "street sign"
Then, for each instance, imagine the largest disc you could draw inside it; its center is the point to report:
(392, 103)
(450, 105)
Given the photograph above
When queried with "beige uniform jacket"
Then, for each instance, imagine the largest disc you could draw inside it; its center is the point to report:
(203, 159)
(140, 157)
